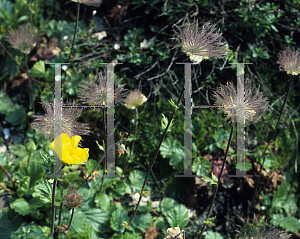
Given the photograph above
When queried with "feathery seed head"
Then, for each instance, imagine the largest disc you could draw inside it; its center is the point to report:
(96, 94)
(45, 123)
(252, 108)
(289, 61)
(23, 39)
(72, 198)
(134, 99)
(204, 44)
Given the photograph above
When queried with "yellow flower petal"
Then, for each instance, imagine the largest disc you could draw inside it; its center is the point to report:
(68, 151)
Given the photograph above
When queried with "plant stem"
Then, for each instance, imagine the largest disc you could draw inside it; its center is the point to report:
(264, 154)
(22, 68)
(219, 179)
(73, 210)
(53, 206)
(132, 146)
(100, 160)
(3, 169)
(154, 157)
(60, 208)
(104, 166)
(30, 89)
(76, 24)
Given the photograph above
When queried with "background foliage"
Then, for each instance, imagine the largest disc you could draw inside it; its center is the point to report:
(139, 35)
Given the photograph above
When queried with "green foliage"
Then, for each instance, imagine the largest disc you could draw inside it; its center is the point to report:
(175, 214)
(213, 235)
(201, 166)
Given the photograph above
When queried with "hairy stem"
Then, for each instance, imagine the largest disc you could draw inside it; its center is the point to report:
(60, 209)
(104, 166)
(264, 154)
(22, 68)
(100, 160)
(73, 210)
(77, 17)
(53, 206)
(3, 169)
(132, 146)
(219, 179)
(30, 89)
(154, 157)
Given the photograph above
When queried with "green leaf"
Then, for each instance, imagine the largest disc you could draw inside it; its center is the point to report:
(38, 69)
(9, 223)
(30, 146)
(34, 171)
(94, 216)
(280, 196)
(43, 191)
(288, 223)
(23, 186)
(116, 220)
(167, 204)
(102, 200)
(270, 161)
(18, 150)
(213, 235)
(21, 206)
(173, 149)
(5, 103)
(142, 221)
(16, 115)
(178, 216)
(137, 178)
(201, 166)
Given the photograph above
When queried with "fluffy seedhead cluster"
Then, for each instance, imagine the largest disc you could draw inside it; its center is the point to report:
(96, 93)
(252, 107)
(259, 231)
(134, 99)
(175, 232)
(201, 44)
(72, 198)
(95, 3)
(23, 39)
(67, 118)
(289, 61)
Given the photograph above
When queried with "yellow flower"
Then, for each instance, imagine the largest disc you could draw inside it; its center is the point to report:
(69, 152)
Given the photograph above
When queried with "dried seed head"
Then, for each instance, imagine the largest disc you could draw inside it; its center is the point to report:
(95, 3)
(45, 123)
(72, 198)
(204, 44)
(96, 94)
(252, 107)
(23, 39)
(289, 61)
(174, 232)
(134, 99)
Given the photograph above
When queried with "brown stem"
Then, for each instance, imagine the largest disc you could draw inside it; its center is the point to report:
(53, 206)
(20, 65)
(60, 209)
(73, 209)
(77, 17)
(30, 89)
(219, 179)
(3, 169)
(104, 166)
(264, 154)
(155, 155)
(132, 146)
